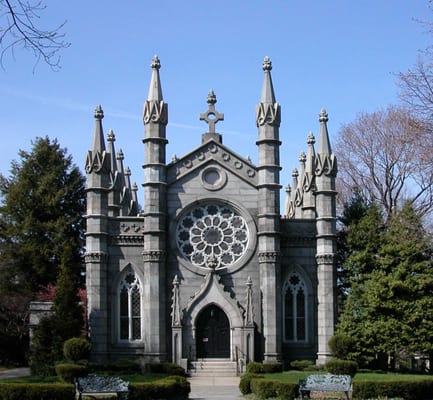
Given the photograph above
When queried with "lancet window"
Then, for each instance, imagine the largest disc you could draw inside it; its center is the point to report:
(295, 309)
(130, 308)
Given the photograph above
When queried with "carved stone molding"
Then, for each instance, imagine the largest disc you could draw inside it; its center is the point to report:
(154, 255)
(325, 258)
(155, 111)
(268, 114)
(127, 240)
(269, 256)
(95, 256)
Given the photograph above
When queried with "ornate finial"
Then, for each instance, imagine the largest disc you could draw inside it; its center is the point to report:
(175, 281)
(128, 171)
(211, 116)
(302, 157)
(111, 137)
(323, 116)
(267, 64)
(295, 172)
(155, 62)
(120, 155)
(211, 98)
(311, 139)
(288, 189)
(134, 187)
(99, 114)
(249, 281)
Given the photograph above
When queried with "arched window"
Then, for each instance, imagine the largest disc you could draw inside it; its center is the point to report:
(130, 308)
(295, 309)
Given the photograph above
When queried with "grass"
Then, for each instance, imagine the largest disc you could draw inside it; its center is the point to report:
(132, 378)
(294, 376)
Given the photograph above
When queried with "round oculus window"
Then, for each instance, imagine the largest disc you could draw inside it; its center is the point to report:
(212, 236)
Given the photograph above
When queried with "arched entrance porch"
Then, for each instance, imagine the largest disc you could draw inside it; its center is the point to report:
(212, 333)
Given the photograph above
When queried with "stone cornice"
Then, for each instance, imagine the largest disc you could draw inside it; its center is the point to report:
(95, 256)
(269, 256)
(154, 255)
(327, 259)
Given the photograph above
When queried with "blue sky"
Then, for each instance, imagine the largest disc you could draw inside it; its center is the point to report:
(337, 54)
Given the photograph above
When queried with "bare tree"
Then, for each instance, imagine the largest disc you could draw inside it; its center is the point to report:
(19, 29)
(387, 156)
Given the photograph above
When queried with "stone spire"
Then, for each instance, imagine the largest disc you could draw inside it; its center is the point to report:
(268, 111)
(98, 143)
(326, 171)
(96, 160)
(268, 122)
(308, 181)
(155, 110)
(155, 90)
(326, 161)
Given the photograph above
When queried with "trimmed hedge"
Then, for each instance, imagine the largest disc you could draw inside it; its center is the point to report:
(301, 365)
(76, 349)
(416, 389)
(68, 372)
(342, 367)
(172, 387)
(266, 368)
(119, 367)
(36, 391)
(266, 388)
(165, 368)
(245, 382)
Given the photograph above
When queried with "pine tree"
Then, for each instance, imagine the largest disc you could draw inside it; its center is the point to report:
(43, 202)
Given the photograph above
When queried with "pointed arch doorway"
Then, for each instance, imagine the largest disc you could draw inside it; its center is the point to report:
(213, 333)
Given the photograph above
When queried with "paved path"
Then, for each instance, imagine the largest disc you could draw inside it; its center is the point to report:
(14, 373)
(214, 388)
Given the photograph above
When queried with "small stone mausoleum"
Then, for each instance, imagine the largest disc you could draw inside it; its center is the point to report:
(211, 268)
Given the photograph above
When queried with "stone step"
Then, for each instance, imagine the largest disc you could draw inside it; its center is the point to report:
(212, 367)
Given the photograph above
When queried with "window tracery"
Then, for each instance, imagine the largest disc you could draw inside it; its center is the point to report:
(130, 308)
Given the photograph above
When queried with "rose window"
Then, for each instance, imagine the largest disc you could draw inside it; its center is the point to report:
(212, 236)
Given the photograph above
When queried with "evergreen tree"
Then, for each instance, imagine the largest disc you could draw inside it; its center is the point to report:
(390, 304)
(43, 202)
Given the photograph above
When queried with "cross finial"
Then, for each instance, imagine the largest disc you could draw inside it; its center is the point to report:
(211, 116)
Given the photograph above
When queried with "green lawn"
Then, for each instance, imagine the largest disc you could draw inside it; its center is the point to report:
(294, 376)
(54, 379)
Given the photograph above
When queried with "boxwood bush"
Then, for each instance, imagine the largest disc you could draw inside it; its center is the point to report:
(270, 388)
(68, 372)
(245, 382)
(265, 368)
(165, 368)
(416, 389)
(342, 367)
(172, 387)
(77, 349)
(301, 365)
(37, 391)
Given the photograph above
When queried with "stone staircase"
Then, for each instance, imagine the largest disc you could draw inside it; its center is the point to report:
(212, 367)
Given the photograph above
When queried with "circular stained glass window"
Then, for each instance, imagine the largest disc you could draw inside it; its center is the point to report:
(212, 236)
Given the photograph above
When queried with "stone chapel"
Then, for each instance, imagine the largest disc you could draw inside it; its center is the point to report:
(210, 269)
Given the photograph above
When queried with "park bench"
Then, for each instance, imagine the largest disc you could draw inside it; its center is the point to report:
(94, 385)
(325, 383)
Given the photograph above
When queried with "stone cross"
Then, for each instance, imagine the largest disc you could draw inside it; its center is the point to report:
(211, 116)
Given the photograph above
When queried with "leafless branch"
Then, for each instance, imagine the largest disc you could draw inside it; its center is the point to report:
(18, 29)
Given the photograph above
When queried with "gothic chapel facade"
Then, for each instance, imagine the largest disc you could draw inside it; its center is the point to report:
(210, 269)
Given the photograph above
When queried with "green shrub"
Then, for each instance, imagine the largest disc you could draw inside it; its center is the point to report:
(287, 390)
(342, 367)
(301, 365)
(245, 382)
(68, 372)
(119, 367)
(254, 367)
(172, 387)
(408, 390)
(264, 388)
(77, 349)
(165, 368)
(341, 345)
(265, 368)
(36, 391)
